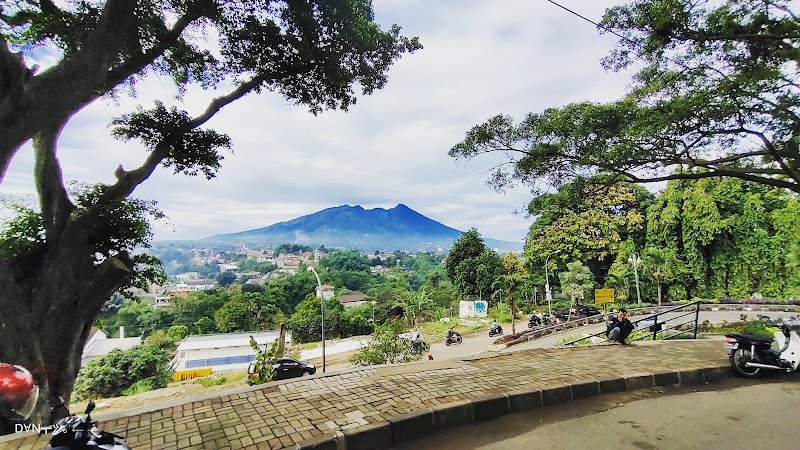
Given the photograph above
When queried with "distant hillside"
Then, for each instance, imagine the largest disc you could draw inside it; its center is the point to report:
(353, 227)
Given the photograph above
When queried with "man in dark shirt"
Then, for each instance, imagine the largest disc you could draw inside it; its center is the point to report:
(619, 327)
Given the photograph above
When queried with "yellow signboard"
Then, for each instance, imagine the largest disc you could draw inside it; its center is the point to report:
(604, 296)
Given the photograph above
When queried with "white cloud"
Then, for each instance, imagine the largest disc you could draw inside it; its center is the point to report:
(480, 59)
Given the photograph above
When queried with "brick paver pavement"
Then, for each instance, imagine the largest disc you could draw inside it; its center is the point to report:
(284, 413)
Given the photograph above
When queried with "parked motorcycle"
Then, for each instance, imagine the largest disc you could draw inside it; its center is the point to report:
(454, 339)
(74, 432)
(549, 319)
(749, 354)
(496, 331)
(534, 321)
(420, 346)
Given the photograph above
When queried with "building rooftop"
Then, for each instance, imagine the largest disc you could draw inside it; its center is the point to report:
(196, 342)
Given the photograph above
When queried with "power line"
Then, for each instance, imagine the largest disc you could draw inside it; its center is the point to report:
(589, 20)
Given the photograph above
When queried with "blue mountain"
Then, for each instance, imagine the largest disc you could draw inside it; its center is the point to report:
(353, 227)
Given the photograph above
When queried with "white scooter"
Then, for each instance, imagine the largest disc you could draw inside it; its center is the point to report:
(749, 354)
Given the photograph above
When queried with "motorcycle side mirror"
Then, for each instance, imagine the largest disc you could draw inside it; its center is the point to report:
(90, 407)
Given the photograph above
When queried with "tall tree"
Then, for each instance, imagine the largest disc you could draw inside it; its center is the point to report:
(312, 52)
(735, 238)
(661, 264)
(510, 285)
(575, 282)
(716, 91)
(587, 220)
(471, 266)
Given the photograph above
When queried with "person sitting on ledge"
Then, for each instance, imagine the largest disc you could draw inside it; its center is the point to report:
(619, 327)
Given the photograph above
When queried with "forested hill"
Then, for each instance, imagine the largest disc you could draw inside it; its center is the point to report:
(353, 227)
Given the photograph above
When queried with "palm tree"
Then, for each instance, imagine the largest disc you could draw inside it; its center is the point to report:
(661, 263)
(620, 283)
(510, 285)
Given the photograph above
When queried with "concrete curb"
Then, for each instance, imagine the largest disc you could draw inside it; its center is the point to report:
(423, 422)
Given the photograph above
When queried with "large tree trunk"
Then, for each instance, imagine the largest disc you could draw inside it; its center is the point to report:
(47, 318)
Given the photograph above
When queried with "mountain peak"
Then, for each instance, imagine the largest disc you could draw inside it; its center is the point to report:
(345, 226)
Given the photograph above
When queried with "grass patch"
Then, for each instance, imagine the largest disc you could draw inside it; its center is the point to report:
(572, 338)
(227, 378)
(753, 328)
(438, 330)
(138, 387)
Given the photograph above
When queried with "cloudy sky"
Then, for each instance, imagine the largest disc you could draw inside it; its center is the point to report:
(479, 59)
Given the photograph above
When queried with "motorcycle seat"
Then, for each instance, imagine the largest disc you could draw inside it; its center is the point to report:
(755, 338)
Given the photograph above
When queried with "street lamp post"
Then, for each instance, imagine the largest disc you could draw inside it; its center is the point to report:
(547, 282)
(322, 314)
(635, 260)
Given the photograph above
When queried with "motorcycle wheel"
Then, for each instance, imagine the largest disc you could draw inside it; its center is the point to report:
(458, 339)
(447, 342)
(738, 358)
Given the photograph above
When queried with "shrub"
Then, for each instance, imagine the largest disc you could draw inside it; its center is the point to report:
(138, 387)
(262, 372)
(386, 346)
(213, 380)
(110, 375)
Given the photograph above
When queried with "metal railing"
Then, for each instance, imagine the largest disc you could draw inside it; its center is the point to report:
(655, 326)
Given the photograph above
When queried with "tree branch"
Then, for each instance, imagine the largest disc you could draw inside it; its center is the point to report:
(777, 157)
(53, 200)
(128, 181)
(137, 63)
(109, 276)
(14, 76)
(711, 174)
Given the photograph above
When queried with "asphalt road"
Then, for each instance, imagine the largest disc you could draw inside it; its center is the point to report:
(735, 413)
(477, 343)
(480, 342)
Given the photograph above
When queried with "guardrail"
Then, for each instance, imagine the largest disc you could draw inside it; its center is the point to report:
(189, 374)
(656, 326)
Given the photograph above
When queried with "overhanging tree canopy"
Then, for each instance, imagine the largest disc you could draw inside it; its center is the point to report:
(716, 95)
(313, 52)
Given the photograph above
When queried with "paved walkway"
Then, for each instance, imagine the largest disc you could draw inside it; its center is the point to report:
(323, 410)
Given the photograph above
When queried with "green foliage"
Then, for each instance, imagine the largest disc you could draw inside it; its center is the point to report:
(729, 237)
(471, 266)
(756, 328)
(566, 339)
(319, 54)
(205, 325)
(132, 316)
(576, 281)
(263, 372)
(138, 387)
(22, 240)
(587, 221)
(110, 375)
(346, 260)
(306, 323)
(385, 346)
(212, 380)
(226, 278)
(161, 340)
(415, 303)
(178, 332)
(197, 151)
(236, 315)
(291, 248)
(713, 96)
(270, 316)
